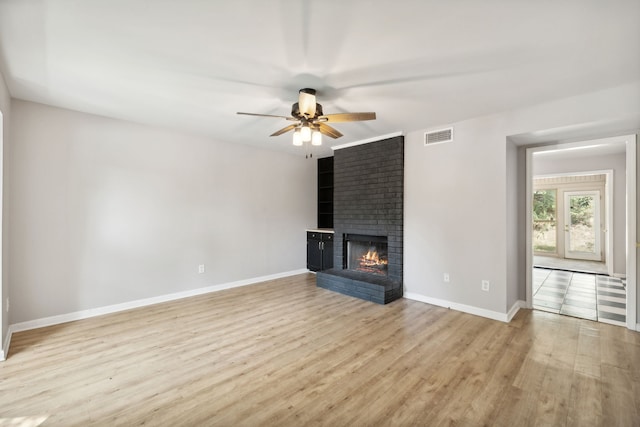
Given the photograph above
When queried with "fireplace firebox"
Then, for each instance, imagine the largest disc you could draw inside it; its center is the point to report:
(366, 254)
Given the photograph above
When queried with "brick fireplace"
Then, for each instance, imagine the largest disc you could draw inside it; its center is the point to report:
(368, 211)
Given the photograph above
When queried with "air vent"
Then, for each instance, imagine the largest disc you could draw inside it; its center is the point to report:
(438, 136)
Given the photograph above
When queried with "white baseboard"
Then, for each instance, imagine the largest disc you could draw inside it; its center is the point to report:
(502, 317)
(4, 352)
(515, 308)
(93, 312)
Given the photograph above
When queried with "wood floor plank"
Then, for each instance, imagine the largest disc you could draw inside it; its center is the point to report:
(585, 401)
(619, 406)
(287, 353)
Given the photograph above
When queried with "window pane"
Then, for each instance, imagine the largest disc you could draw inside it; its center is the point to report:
(544, 221)
(544, 240)
(582, 231)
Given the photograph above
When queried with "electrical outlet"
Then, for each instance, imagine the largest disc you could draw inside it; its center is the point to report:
(7, 305)
(485, 285)
(201, 269)
(446, 277)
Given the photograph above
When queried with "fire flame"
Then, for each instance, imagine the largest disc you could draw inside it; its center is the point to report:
(371, 258)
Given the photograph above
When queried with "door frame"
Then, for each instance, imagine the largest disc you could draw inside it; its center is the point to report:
(630, 142)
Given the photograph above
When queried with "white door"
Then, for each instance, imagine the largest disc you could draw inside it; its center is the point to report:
(582, 228)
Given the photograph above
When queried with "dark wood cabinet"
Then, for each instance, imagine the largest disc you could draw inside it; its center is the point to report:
(325, 192)
(327, 252)
(319, 251)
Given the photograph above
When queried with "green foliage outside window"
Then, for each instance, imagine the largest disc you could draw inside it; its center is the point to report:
(582, 210)
(544, 220)
(544, 208)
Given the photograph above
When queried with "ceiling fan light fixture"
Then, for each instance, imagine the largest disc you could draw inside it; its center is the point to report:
(297, 138)
(305, 132)
(310, 122)
(316, 138)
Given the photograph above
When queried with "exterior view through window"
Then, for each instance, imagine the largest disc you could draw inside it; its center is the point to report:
(582, 229)
(545, 221)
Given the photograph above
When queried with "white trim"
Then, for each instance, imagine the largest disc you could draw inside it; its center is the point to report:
(528, 225)
(4, 352)
(515, 308)
(4, 314)
(632, 236)
(93, 312)
(638, 327)
(367, 141)
(619, 275)
(609, 249)
(494, 315)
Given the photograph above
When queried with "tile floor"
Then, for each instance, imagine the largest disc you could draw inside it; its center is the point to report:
(588, 296)
(581, 266)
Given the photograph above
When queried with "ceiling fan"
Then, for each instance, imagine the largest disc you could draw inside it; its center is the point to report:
(310, 123)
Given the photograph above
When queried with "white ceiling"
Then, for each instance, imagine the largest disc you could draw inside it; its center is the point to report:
(190, 65)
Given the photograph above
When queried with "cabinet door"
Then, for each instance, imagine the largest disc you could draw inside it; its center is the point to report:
(327, 253)
(314, 252)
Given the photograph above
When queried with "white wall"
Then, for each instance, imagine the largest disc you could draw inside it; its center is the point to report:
(105, 211)
(546, 165)
(455, 216)
(460, 216)
(5, 107)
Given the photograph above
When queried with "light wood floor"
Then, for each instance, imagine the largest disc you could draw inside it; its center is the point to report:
(287, 353)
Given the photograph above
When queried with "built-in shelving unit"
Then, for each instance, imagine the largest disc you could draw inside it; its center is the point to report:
(325, 192)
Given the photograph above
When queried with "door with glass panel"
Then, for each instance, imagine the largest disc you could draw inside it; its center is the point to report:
(582, 228)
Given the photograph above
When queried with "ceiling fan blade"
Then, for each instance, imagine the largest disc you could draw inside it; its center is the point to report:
(328, 130)
(265, 115)
(347, 117)
(307, 102)
(284, 130)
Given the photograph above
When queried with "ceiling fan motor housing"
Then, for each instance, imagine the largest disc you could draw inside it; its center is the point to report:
(307, 103)
(295, 111)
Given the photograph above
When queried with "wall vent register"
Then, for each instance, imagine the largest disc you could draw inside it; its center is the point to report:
(438, 136)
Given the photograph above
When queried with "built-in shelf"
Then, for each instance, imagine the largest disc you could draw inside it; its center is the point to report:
(325, 192)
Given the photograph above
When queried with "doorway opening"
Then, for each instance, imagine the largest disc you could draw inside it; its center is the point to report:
(581, 211)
